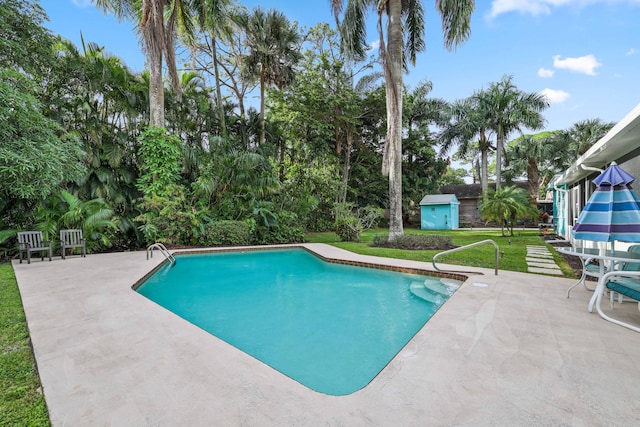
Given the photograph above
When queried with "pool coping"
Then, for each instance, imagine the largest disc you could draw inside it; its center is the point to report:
(509, 349)
(336, 260)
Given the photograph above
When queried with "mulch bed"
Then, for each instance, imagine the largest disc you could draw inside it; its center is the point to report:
(573, 261)
(391, 245)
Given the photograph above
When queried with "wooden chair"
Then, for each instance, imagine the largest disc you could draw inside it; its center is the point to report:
(70, 239)
(32, 241)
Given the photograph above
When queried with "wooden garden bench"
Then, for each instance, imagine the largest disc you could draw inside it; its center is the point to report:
(32, 241)
(70, 239)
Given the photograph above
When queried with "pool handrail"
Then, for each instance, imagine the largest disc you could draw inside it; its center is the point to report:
(433, 260)
(163, 249)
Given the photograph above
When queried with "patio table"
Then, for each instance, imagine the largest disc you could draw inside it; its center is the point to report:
(608, 261)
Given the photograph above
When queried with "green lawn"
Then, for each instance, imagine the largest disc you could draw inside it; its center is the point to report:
(21, 399)
(514, 248)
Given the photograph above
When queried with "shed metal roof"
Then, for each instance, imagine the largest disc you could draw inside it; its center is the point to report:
(439, 199)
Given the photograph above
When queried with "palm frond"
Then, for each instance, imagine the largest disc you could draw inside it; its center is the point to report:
(414, 30)
(456, 20)
(353, 29)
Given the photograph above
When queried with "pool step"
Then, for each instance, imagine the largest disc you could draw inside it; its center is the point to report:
(444, 286)
(434, 292)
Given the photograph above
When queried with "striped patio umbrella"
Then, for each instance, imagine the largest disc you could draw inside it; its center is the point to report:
(613, 210)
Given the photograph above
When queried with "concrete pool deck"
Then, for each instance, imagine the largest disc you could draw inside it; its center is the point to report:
(504, 350)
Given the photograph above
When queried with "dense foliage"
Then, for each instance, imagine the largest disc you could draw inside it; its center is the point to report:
(78, 150)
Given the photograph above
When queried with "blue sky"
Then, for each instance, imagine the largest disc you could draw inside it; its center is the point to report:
(584, 54)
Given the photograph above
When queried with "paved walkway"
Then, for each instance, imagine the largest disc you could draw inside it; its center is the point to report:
(506, 349)
(540, 260)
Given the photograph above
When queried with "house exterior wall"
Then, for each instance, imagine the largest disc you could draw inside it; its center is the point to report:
(468, 211)
(573, 188)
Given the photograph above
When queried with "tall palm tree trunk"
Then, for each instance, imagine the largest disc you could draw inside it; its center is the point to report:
(156, 90)
(484, 153)
(484, 180)
(533, 178)
(262, 71)
(153, 39)
(499, 145)
(392, 162)
(214, 51)
(346, 166)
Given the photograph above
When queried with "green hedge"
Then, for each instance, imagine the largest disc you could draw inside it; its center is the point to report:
(227, 233)
(288, 230)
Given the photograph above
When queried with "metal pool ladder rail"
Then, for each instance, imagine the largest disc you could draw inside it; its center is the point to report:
(433, 261)
(162, 248)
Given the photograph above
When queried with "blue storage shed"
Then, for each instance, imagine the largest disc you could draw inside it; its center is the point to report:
(439, 212)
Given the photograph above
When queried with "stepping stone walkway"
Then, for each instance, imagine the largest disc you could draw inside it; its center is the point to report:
(540, 260)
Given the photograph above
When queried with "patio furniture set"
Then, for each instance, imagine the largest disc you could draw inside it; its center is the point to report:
(611, 214)
(618, 272)
(32, 242)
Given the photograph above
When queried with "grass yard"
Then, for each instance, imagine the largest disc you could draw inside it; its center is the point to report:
(21, 399)
(514, 248)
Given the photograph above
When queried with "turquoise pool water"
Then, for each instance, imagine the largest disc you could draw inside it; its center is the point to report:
(329, 326)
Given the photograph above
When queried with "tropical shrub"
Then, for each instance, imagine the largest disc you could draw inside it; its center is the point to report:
(233, 182)
(161, 157)
(64, 210)
(170, 219)
(227, 233)
(167, 215)
(310, 191)
(7, 237)
(351, 221)
(505, 206)
(286, 229)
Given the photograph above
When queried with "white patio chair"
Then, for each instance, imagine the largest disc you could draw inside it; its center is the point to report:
(626, 283)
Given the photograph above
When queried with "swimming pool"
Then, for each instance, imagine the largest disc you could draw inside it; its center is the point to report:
(331, 327)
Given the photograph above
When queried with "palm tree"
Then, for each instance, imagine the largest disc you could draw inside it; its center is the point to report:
(573, 142)
(585, 133)
(273, 51)
(215, 19)
(504, 206)
(510, 109)
(420, 111)
(468, 128)
(405, 33)
(532, 154)
(158, 21)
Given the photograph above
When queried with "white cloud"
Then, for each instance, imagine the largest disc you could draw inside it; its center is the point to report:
(374, 45)
(632, 51)
(541, 7)
(583, 64)
(534, 7)
(82, 3)
(545, 74)
(555, 96)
